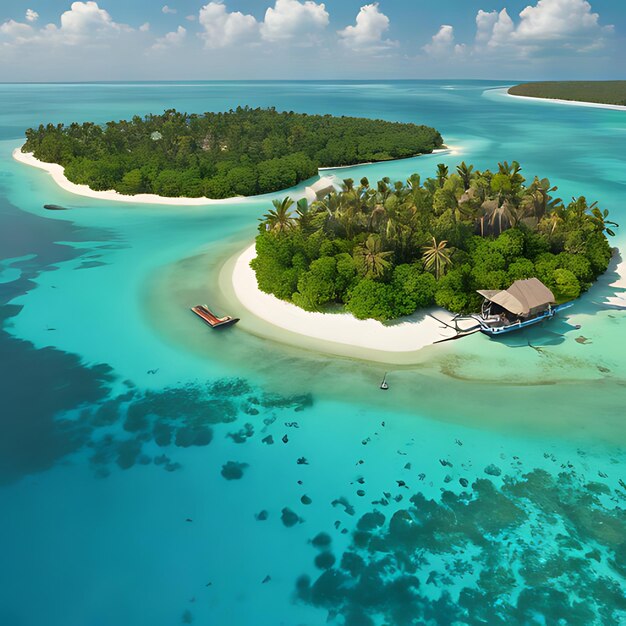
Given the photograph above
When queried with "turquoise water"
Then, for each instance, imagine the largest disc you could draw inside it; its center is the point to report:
(153, 472)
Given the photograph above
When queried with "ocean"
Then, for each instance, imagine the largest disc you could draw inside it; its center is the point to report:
(155, 472)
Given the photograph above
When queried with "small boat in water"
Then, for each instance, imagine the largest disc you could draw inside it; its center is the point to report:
(524, 303)
(203, 312)
(54, 207)
(384, 385)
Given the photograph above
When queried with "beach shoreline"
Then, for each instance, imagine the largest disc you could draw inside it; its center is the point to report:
(409, 334)
(445, 148)
(595, 105)
(57, 172)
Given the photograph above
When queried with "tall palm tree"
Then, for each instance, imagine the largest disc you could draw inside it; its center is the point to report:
(437, 256)
(372, 257)
(442, 174)
(325, 214)
(502, 216)
(305, 215)
(279, 218)
(550, 222)
(465, 172)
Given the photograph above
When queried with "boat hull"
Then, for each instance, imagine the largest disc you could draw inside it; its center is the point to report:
(209, 318)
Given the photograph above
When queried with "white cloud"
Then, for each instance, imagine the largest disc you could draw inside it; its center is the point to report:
(484, 25)
(31, 16)
(87, 18)
(367, 33)
(557, 19)
(85, 23)
(145, 27)
(546, 27)
(503, 29)
(175, 38)
(291, 19)
(18, 32)
(222, 28)
(442, 43)
(168, 10)
(191, 18)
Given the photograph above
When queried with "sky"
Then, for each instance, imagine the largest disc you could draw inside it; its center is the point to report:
(111, 40)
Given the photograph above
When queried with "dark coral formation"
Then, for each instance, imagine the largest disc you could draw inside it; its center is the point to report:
(540, 549)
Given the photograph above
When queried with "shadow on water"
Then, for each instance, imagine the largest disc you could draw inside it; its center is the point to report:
(53, 404)
(37, 386)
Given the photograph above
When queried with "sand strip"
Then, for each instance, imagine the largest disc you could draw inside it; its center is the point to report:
(407, 335)
(595, 105)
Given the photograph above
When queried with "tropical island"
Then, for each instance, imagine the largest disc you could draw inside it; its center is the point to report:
(242, 152)
(610, 92)
(384, 251)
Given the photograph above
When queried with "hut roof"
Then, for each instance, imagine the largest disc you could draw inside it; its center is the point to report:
(523, 297)
(321, 188)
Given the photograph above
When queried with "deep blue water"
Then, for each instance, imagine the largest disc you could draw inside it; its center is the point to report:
(154, 473)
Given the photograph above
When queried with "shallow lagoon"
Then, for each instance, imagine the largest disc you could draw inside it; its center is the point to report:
(121, 419)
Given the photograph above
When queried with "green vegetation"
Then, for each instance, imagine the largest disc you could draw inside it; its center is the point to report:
(388, 250)
(218, 155)
(600, 91)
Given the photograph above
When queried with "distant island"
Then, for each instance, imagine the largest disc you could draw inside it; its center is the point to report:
(242, 152)
(384, 251)
(595, 91)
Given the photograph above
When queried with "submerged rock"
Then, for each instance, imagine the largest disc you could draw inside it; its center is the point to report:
(321, 540)
(325, 560)
(289, 518)
(233, 470)
(493, 470)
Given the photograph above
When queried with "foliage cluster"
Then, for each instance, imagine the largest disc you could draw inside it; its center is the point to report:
(600, 91)
(218, 155)
(385, 251)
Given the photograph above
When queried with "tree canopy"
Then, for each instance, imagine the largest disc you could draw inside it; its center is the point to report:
(386, 250)
(600, 91)
(240, 152)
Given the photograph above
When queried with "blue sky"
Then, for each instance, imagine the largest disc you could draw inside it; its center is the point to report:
(60, 40)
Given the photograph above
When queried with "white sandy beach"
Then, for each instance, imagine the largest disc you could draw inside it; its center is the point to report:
(58, 175)
(410, 334)
(595, 105)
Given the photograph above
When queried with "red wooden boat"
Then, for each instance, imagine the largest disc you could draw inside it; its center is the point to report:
(203, 312)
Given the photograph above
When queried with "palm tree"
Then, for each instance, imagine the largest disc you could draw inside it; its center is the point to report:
(305, 215)
(538, 199)
(325, 214)
(503, 215)
(372, 258)
(551, 221)
(437, 257)
(599, 219)
(442, 174)
(414, 182)
(347, 185)
(465, 172)
(279, 218)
